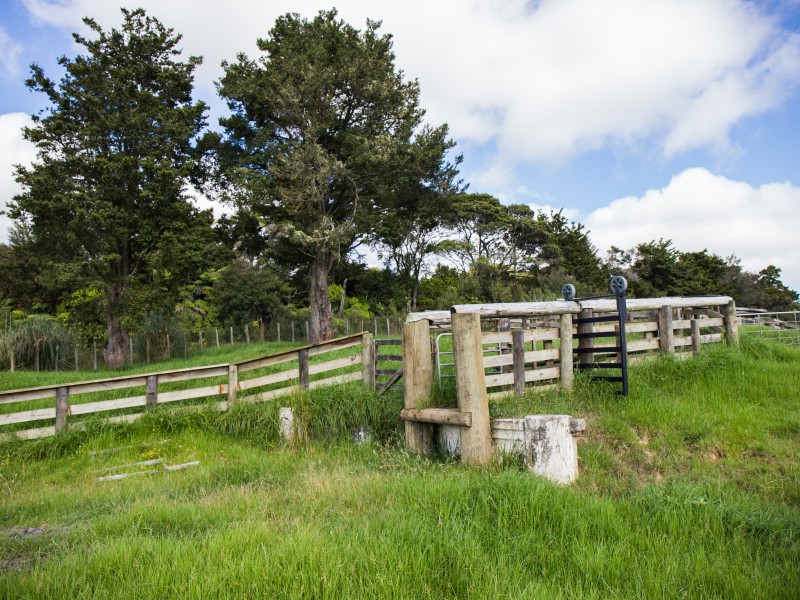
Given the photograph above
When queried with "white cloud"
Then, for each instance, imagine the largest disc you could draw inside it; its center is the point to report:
(543, 80)
(10, 52)
(13, 150)
(699, 210)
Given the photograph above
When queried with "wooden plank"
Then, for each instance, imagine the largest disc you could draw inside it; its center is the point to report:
(518, 357)
(268, 361)
(266, 396)
(638, 304)
(417, 382)
(151, 391)
(339, 363)
(531, 335)
(11, 396)
(666, 330)
(501, 360)
(302, 369)
(26, 416)
(565, 356)
(711, 322)
(211, 390)
(368, 360)
(391, 381)
(476, 441)
(62, 408)
(710, 338)
(643, 345)
(388, 342)
(106, 405)
(441, 416)
(542, 374)
(247, 384)
(355, 376)
(518, 309)
(335, 345)
(680, 342)
(213, 371)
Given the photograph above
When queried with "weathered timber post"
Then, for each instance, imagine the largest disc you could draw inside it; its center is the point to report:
(518, 341)
(231, 336)
(666, 335)
(216, 336)
(695, 337)
(76, 359)
(476, 440)
(565, 351)
(94, 354)
(147, 348)
(586, 358)
(151, 397)
(388, 327)
(169, 349)
(62, 408)
(375, 324)
(368, 360)
(279, 331)
(302, 357)
(130, 345)
(12, 361)
(233, 383)
(247, 334)
(731, 326)
(417, 382)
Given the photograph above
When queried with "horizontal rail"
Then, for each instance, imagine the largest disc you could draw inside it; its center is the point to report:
(440, 416)
(532, 356)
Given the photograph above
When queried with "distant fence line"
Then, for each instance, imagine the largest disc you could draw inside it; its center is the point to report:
(145, 348)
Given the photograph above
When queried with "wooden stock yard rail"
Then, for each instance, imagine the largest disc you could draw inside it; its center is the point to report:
(266, 377)
(538, 350)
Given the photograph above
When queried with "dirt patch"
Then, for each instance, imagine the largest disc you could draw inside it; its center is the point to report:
(19, 563)
(25, 532)
(714, 455)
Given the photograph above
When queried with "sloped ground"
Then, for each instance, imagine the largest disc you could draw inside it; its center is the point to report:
(689, 488)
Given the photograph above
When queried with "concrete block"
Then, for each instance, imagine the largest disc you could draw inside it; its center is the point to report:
(286, 417)
(550, 449)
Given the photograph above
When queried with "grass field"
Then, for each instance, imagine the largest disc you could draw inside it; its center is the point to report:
(689, 488)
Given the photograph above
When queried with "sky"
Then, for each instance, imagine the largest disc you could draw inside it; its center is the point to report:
(642, 119)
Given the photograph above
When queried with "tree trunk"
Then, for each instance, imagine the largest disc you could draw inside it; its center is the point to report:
(114, 352)
(321, 312)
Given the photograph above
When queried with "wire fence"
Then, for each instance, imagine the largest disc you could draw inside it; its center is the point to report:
(782, 327)
(175, 342)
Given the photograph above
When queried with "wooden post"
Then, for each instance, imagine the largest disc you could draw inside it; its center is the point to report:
(476, 441)
(308, 334)
(586, 358)
(231, 336)
(731, 326)
(233, 384)
(56, 359)
(76, 358)
(565, 351)
(151, 399)
(376, 326)
(200, 338)
(293, 332)
(169, 349)
(247, 334)
(546, 345)
(388, 328)
(279, 330)
(347, 327)
(130, 348)
(302, 356)
(695, 337)
(94, 354)
(216, 336)
(62, 408)
(368, 360)
(417, 382)
(12, 361)
(147, 349)
(665, 332)
(518, 341)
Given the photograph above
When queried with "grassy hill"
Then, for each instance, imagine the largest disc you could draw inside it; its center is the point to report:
(689, 488)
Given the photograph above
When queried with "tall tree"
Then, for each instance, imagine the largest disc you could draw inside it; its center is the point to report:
(324, 136)
(105, 197)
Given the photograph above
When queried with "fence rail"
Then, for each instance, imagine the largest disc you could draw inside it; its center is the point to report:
(283, 373)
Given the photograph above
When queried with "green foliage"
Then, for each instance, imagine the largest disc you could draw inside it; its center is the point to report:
(105, 198)
(35, 341)
(324, 137)
(244, 292)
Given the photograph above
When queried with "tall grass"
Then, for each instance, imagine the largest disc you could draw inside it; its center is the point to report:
(688, 488)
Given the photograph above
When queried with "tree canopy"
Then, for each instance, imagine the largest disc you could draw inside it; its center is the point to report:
(105, 198)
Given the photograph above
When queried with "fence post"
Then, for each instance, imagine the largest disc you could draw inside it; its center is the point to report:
(565, 351)
(417, 382)
(56, 359)
(279, 331)
(94, 354)
(586, 358)
(302, 356)
(130, 347)
(12, 361)
(518, 341)
(695, 337)
(62, 408)
(376, 326)
(231, 336)
(388, 328)
(247, 334)
(151, 399)
(308, 334)
(476, 441)
(216, 336)
(666, 337)
(169, 349)
(367, 360)
(233, 383)
(731, 326)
